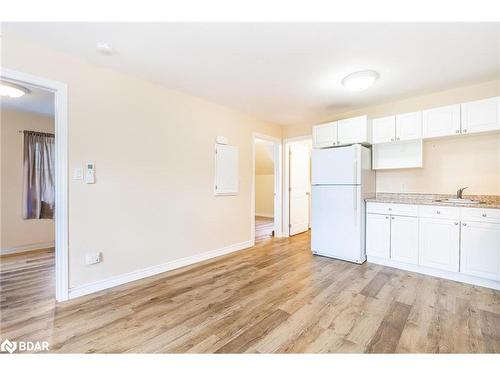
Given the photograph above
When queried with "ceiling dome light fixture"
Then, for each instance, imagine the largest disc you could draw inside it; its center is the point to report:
(105, 48)
(12, 90)
(359, 81)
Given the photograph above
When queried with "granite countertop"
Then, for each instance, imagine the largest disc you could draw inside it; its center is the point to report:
(487, 201)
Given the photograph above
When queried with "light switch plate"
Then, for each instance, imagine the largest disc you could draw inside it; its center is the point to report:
(78, 173)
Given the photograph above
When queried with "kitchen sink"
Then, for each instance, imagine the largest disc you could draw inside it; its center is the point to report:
(458, 201)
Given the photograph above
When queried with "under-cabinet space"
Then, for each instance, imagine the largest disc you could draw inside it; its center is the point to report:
(395, 155)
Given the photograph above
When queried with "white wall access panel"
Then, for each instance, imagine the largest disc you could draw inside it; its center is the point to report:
(226, 170)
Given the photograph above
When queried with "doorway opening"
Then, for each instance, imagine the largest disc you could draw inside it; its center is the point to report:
(34, 230)
(266, 213)
(28, 194)
(297, 205)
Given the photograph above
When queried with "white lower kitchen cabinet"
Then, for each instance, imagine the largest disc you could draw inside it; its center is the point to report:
(404, 239)
(439, 244)
(457, 243)
(378, 235)
(480, 249)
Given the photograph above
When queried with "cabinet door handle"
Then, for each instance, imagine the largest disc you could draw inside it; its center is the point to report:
(483, 215)
(438, 212)
(464, 131)
(387, 217)
(464, 224)
(457, 131)
(392, 139)
(390, 209)
(456, 222)
(397, 138)
(393, 218)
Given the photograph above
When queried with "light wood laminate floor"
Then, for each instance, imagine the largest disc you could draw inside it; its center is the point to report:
(273, 298)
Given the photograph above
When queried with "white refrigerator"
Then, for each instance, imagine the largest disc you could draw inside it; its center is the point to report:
(342, 179)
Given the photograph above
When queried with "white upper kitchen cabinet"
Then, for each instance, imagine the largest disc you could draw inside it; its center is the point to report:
(378, 235)
(402, 127)
(404, 239)
(439, 243)
(480, 249)
(481, 115)
(354, 130)
(384, 129)
(409, 126)
(440, 122)
(325, 135)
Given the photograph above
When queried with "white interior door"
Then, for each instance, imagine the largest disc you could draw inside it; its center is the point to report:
(300, 187)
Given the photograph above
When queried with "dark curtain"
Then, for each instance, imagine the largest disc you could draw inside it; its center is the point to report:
(39, 175)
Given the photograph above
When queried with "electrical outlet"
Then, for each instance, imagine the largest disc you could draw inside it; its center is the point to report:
(92, 258)
(78, 173)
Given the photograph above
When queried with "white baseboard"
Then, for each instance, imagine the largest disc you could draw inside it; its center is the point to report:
(455, 276)
(24, 248)
(271, 216)
(154, 270)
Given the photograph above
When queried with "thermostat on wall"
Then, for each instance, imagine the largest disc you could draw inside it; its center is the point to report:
(90, 173)
(221, 140)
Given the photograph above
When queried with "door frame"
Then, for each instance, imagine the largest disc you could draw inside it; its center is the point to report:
(60, 91)
(286, 181)
(277, 147)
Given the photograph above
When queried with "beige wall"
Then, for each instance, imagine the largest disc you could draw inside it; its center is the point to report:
(264, 195)
(264, 179)
(153, 150)
(448, 163)
(16, 232)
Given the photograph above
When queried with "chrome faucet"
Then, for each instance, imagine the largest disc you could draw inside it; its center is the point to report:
(460, 192)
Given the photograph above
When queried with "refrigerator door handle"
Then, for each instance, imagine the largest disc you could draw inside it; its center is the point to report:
(355, 165)
(355, 198)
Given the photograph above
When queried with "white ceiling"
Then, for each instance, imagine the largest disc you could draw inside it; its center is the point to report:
(36, 101)
(287, 73)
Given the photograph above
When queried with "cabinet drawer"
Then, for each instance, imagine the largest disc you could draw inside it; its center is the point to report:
(440, 212)
(488, 215)
(392, 209)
